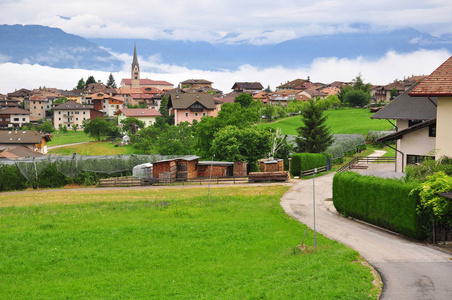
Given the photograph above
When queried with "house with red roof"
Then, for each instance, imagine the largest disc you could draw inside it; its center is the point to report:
(192, 106)
(146, 115)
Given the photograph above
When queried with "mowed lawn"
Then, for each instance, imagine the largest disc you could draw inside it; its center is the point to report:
(94, 148)
(70, 137)
(168, 243)
(345, 121)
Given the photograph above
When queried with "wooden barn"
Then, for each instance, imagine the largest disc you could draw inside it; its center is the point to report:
(218, 168)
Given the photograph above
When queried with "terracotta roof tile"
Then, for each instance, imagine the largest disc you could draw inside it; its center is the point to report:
(439, 83)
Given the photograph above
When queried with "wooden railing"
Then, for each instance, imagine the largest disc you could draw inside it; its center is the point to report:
(312, 171)
(367, 159)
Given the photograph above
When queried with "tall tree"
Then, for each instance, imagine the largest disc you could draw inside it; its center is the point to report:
(314, 135)
(131, 125)
(90, 80)
(111, 81)
(96, 128)
(81, 84)
(244, 99)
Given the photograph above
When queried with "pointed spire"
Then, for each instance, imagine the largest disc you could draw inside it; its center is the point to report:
(135, 58)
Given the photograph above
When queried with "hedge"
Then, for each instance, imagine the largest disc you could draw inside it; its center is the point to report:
(381, 201)
(306, 161)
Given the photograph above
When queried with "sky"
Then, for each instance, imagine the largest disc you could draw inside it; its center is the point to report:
(232, 21)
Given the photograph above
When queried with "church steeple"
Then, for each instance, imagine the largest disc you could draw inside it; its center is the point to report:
(135, 69)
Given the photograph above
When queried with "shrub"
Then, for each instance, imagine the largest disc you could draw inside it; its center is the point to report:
(306, 161)
(381, 201)
(11, 179)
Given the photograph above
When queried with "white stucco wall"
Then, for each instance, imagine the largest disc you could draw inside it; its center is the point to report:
(444, 127)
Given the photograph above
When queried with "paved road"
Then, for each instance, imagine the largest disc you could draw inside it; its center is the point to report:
(409, 270)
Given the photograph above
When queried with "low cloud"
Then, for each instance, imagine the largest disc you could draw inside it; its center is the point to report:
(378, 71)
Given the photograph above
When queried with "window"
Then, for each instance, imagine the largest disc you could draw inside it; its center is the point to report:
(76, 119)
(16, 119)
(34, 107)
(83, 112)
(196, 114)
(59, 112)
(416, 159)
(150, 122)
(432, 130)
(203, 114)
(186, 114)
(59, 119)
(23, 119)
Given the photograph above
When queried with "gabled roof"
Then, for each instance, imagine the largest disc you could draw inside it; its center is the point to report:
(399, 134)
(438, 84)
(14, 111)
(138, 112)
(248, 85)
(185, 100)
(21, 137)
(291, 84)
(404, 107)
(196, 81)
(19, 152)
(72, 105)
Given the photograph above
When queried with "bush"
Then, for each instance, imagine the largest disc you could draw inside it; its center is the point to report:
(11, 179)
(306, 161)
(384, 202)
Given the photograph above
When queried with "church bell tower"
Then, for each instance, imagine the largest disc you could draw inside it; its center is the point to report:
(135, 70)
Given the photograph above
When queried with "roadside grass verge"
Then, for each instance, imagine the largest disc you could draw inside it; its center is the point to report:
(341, 121)
(170, 243)
(95, 148)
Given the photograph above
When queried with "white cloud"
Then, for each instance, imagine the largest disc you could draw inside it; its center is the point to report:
(264, 21)
(380, 71)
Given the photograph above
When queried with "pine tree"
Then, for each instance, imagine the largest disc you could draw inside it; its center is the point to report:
(90, 80)
(111, 81)
(314, 136)
(80, 84)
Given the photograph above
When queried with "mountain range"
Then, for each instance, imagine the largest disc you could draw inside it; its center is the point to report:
(35, 44)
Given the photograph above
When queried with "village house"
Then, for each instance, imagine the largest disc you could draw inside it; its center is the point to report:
(292, 85)
(146, 115)
(30, 139)
(192, 106)
(14, 117)
(6, 102)
(411, 116)
(20, 95)
(247, 87)
(18, 152)
(194, 84)
(106, 103)
(72, 113)
(36, 105)
(313, 94)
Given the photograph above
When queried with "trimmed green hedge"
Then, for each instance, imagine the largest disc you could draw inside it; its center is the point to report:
(306, 161)
(381, 201)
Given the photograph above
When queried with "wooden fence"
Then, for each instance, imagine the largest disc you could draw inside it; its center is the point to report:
(442, 234)
(369, 159)
(312, 171)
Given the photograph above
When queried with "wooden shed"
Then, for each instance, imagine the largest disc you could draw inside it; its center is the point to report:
(274, 165)
(218, 168)
(176, 168)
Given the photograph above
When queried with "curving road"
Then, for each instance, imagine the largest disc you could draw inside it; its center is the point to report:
(409, 270)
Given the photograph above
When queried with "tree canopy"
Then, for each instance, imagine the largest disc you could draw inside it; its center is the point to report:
(314, 135)
(131, 125)
(111, 81)
(244, 99)
(81, 84)
(90, 80)
(99, 127)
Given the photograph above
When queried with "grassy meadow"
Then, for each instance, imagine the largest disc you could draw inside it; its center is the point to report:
(342, 121)
(94, 148)
(70, 137)
(169, 243)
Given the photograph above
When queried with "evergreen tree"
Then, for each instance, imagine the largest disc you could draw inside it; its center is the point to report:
(314, 135)
(90, 80)
(111, 81)
(80, 84)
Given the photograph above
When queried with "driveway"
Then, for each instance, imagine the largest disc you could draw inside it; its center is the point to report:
(409, 270)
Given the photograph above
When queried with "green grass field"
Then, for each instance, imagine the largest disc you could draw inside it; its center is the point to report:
(172, 243)
(344, 121)
(94, 148)
(69, 137)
